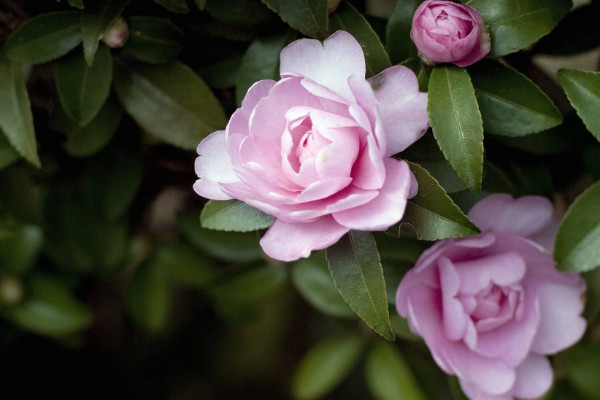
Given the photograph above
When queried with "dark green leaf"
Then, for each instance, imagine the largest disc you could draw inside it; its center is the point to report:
(511, 104)
(186, 265)
(389, 377)
(153, 40)
(176, 6)
(150, 298)
(20, 251)
(456, 122)
(583, 91)
(200, 4)
(252, 285)
(308, 16)
(233, 215)
(357, 273)
(245, 13)
(82, 89)
(530, 177)
(577, 246)
(44, 38)
(515, 24)
(443, 172)
(96, 17)
(8, 154)
(16, 120)
(583, 361)
(325, 366)
(496, 181)
(348, 19)
(169, 101)
(399, 43)
(76, 4)
(402, 250)
(20, 194)
(313, 280)
(432, 213)
(401, 328)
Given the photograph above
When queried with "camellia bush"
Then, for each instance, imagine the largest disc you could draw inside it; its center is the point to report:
(275, 199)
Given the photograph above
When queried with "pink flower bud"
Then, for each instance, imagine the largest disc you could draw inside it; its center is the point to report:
(444, 31)
(116, 34)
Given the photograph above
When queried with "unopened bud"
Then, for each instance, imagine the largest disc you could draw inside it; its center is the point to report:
(116, 34)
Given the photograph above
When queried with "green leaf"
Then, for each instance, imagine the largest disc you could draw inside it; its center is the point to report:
(76, 4)
(82, 89)
(44, 38)
(200, 4)
(397, 33)
(308, 16)
(583, 361)
(175, 6)
(357, 273)
(510, 103)
(432, 213)
(583, 90)
(50, 309)
(186, 265)
(169, 101)
(16, 120)
(20, 251)
(313, 280)
(20, 194)
(456, 122)
(150, 298)
(228, 246)
(325, 366)
(348, 19)
(153, 40)
(402, 329)
(389, 377)
(252, 285)
(8, 154)
(96, 17)
(443, 172)
(233, 215)
(241, 13)
(515, 24)
(577, 246)
(261, 61)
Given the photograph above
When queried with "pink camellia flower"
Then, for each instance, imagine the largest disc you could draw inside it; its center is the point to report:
(490, 307)
(314, 149)
(444, 31)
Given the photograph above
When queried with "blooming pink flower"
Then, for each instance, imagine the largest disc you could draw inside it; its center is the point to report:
(444, 31)
(314, 149)
(490, 307)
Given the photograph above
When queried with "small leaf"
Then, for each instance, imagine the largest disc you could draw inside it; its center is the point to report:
(515, 24)
(432, 213)
(577, 246)
(397, 32)
(325, 366)
(169, 101)
(233, 215)
(308, 16)
(150, 298)
(8, 154)
(389, 377)
(356, 270)
(153, 40)
(16, 120)
(175, 6)
(44, 38)
(82, 89)
(456, 122)
(348, 19)
(96, 17)
(313, 280)
(583, 90)
(20, 251)
(511, 104)
(186, 265)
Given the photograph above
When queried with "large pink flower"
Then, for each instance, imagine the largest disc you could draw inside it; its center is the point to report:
(314, 149)
(490, 307)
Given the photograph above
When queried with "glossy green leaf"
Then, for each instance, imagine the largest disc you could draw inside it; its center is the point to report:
(397, 34)
(456, 122)
(97, 16)
(20, 251)
(228, 246)
(50, 309)
(432, 213)
(515, 24)
(307, 16)
(186, 265)
(313, 280)
(44, 38)
(233, 215)
(82, 89)
(510, 103)
(357, 273)
(153, 40)
(175, 6)
(389, 377)
(16, 120)
(577, 246)
(251, 286)
(8, 154)
(169, 101)
(348, 19)
(325, 366)
(446, 176)
(261, 61)
(583, 90)
(150, 298)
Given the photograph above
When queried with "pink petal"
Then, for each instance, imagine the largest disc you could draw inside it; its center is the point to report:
(288, 241)
(329, 64)
(454, 317)
(534, 377)
(323, 188)
(239, 123)
(503, 269)
(213, 166)
(547, 236)
(475, 392)
(387, 208)
(337, 158)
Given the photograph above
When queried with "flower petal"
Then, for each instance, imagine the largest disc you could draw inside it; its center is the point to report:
(213, 166)
(534, 377)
